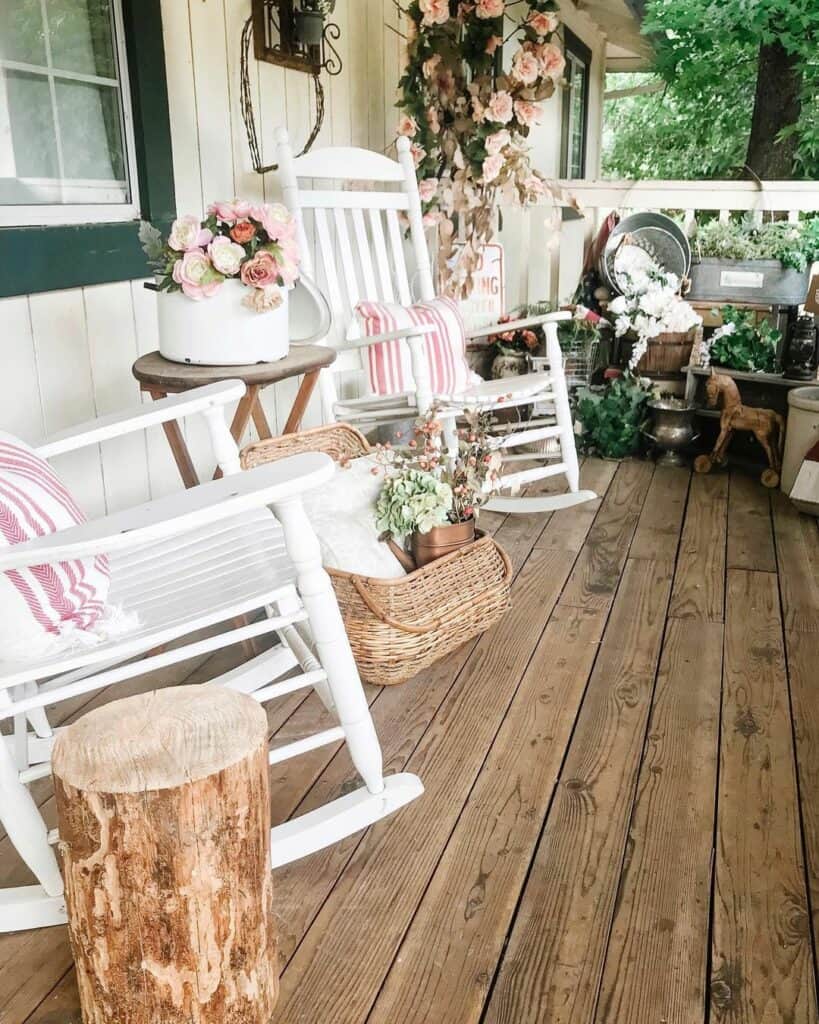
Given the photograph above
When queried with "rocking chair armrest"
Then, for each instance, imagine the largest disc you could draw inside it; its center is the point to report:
(518, 325)
(188, 510)
(140, 417)
(403, 332)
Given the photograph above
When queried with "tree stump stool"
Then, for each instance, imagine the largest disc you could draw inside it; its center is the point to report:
(164, 820)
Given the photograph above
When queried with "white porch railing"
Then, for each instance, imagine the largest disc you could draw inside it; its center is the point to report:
(549, 266)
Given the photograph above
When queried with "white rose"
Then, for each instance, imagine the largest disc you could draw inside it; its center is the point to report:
(226, 256)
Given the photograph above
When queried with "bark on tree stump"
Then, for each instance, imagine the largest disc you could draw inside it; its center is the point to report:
(164, 819)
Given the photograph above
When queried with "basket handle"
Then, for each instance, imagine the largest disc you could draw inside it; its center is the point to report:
(379, 613)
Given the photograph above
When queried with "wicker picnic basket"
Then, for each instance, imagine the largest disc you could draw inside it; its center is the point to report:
(397, 627)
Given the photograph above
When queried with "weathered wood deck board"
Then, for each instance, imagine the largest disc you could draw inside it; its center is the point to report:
(699, 584)
(657, 955)
(339, 967)
(449, 954)
(797, 547)
(409, 922)
(552, 966)
(803, 670)
(596, 576)
(762, 966)
(658, 528)
(750, 530)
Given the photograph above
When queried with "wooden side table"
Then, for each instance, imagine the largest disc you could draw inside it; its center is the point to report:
(159, 377)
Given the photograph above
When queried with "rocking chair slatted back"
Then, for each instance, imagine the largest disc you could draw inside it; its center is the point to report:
(361, 258)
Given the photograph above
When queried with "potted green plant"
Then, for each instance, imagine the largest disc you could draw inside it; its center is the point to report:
(431, 497)
(610, 418)
(760, 262)
(741, 343)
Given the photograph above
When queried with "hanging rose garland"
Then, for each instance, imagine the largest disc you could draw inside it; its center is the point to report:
(468, 123)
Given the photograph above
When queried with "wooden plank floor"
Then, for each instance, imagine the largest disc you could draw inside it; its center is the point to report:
(621, 816)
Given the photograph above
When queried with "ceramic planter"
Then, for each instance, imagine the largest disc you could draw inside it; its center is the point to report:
(222, 331)
(441, 540)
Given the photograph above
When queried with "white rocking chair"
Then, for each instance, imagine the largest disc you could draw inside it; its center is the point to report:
(198, 560)
(366, 260)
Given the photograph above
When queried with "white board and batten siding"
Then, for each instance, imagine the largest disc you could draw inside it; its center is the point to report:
(66, 356)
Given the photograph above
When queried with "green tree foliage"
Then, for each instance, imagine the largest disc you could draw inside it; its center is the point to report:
(707, 56)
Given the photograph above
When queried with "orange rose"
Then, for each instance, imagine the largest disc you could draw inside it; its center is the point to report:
(242, 231)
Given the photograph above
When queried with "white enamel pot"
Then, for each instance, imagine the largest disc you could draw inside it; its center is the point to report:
(221, 331)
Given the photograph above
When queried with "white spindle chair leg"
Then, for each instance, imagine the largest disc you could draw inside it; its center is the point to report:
(224, 447)
(25, 826)
(562, 409)
(37, 716)
(331, 642)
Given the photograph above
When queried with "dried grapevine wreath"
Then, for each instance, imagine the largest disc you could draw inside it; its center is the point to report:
(468, 121)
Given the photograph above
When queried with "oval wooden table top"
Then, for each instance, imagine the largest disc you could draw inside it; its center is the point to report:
(157, 372)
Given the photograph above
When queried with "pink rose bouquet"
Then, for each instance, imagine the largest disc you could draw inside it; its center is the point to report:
(254, 244)
(468, 119)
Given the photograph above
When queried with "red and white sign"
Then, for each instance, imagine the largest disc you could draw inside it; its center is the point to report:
(487, 303)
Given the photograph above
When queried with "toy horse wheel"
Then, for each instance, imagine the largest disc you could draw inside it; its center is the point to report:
(703, 464)
(770, 478)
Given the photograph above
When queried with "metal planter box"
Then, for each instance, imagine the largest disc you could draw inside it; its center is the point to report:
(763, 281)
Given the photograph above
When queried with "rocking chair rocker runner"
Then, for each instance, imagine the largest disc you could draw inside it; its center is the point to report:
(195, 561)
(365, 260)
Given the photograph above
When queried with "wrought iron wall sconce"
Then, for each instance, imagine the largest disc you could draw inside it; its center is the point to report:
(296, 34)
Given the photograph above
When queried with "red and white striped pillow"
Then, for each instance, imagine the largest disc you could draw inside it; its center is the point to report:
(43, 608)
(388, 363)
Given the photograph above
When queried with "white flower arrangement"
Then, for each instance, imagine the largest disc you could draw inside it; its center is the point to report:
(651, 304)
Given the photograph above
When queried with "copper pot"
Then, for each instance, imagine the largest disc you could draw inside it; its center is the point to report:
(441, 540)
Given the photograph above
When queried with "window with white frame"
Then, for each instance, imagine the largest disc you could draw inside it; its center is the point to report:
(66, 134)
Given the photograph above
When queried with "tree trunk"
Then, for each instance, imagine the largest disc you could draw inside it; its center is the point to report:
(777, 105)
(164, 821)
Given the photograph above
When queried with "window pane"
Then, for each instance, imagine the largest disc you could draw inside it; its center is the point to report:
(90, 130)
(32, 126)
(22, 36)
(62, 137)
(81, 36)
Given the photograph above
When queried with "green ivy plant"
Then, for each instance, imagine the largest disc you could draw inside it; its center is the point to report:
(610, 419)
(742, 344)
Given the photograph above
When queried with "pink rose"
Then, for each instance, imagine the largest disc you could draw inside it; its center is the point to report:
(500, 107)
(262, 270)
(435, 12)
(407, 126)
(277, 220)
(527, 113)
(497, 141)
(543, 22)
(552, 60)
(534, 186)
(489, 8)
(427, 189)
(525, 67)
(429, 66)
(229, 212)
(418, 153)
(492, 166)
(226, 256)
(195, 273)
(288, 257)
(187, 233)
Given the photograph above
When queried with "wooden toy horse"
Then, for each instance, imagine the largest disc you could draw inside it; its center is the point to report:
(767, 426)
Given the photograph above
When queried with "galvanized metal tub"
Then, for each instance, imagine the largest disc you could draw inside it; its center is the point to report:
(765, 281)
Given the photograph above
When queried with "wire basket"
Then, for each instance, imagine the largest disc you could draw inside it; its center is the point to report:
(579, 362)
